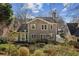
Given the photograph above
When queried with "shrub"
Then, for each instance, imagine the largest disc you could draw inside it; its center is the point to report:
(3, 40)
(50, 49)
(36, 46)
(49, 52)
(4, 47)
(72, 42)
(40, 45)
(11, 49)
(23, 51)
(38, 53)
(60, 50)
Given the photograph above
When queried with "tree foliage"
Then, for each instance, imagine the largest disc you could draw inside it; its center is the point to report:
(5, 12)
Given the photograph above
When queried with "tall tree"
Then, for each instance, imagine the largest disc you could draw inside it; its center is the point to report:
(5, 16)
(5, 13)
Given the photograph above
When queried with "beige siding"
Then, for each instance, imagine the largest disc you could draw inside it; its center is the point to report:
(38, 31)
(21, 36)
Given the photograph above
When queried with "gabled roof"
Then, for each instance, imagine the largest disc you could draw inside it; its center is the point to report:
(77, 32)
(22, 28)
(41, 20)
(50, 19)
(74, 30)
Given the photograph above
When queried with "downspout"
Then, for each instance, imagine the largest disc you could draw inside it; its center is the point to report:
(56, 31)
(28, 32)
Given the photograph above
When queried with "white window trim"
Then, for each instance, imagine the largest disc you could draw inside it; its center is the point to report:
(32, 25)
(51, 26)
(46, 25)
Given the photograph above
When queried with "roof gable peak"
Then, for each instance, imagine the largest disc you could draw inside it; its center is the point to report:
(39, 19)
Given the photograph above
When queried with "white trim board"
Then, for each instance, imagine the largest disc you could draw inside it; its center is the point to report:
(39, 19)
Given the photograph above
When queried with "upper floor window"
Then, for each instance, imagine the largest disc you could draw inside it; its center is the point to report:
(33, 26)
(51, 26)
(44, 27)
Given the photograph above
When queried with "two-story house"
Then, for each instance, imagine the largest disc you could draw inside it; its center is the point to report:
(42, 29)
(38, 29)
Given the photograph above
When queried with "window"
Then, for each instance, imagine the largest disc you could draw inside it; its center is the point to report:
(26, 36)
(44, 27)
(33, 26)
(41, 37)
(33, 36)
(23, 37)
(51, 26)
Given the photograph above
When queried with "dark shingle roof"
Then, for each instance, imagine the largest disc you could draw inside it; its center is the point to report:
(22, 28)
(77, 33)
(50, 19)
(74, 30)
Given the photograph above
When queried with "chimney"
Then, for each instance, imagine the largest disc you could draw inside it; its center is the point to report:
(54, 14)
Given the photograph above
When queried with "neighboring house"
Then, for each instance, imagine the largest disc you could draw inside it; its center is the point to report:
(38, 29)
(74, 30)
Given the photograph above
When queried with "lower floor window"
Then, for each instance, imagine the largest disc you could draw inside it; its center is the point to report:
(77, 40)
(44, 36)
(33, 36)
(22, 37)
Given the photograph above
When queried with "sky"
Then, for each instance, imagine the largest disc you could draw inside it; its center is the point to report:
(66, 10)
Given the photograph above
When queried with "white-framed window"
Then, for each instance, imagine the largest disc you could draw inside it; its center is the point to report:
(33, 26)
(23, 38)
(33, 36)
(44, 36)
(44, 27)
(51, 27)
